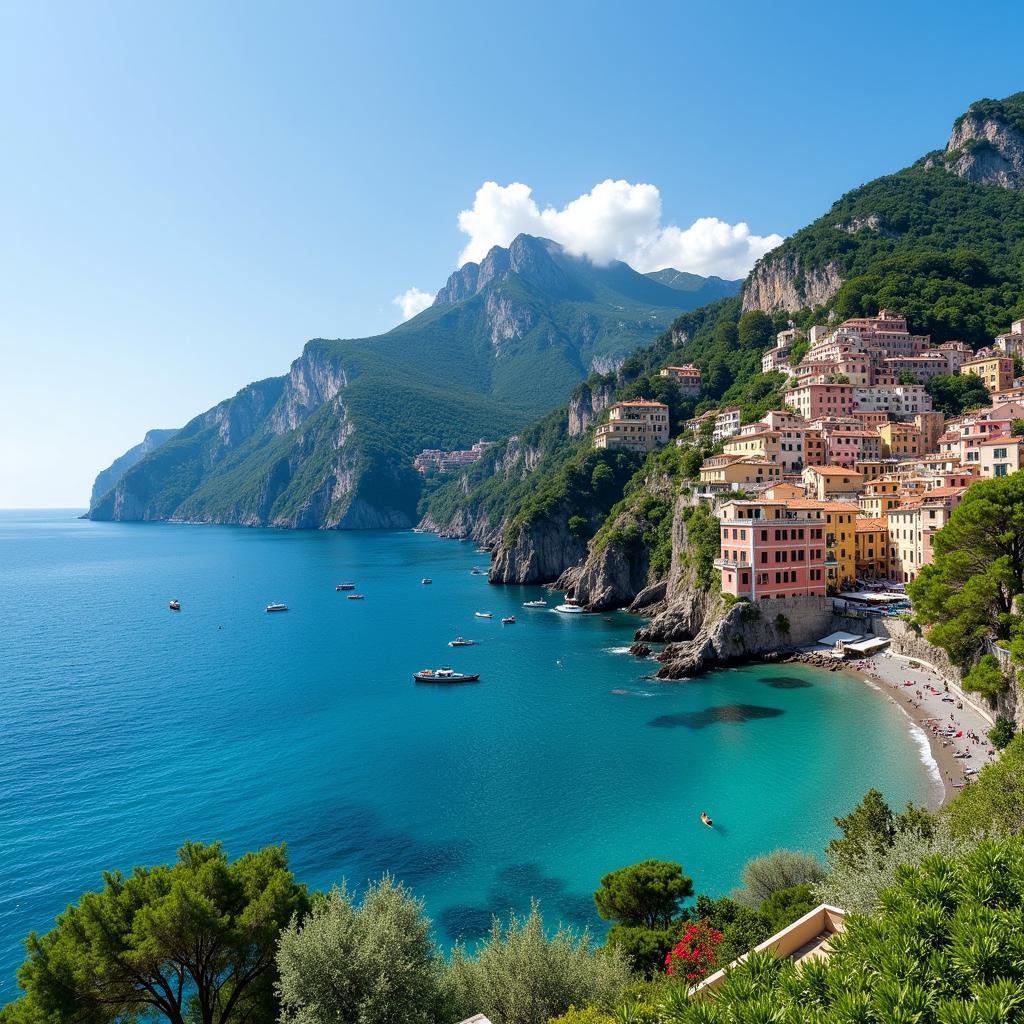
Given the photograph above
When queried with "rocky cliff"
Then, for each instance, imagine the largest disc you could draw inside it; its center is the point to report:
(587, 404)
(987, 144)
(780, 282)
(108, 478)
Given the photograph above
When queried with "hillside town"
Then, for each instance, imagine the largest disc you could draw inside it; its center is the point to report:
(850, 480)
(440, 461)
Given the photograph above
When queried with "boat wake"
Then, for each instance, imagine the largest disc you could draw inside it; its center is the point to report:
(615, 650)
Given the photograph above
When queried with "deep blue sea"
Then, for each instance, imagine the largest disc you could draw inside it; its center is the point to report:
(126, 728)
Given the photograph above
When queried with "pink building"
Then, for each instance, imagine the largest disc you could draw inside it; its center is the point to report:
(815, 401)
(770, 550)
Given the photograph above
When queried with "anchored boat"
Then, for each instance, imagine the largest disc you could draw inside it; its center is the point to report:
(461, 641)
(277, 607)
(345, 586)
(445, 675)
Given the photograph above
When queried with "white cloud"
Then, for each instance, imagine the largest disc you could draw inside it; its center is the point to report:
(412, 301)
(614, 220)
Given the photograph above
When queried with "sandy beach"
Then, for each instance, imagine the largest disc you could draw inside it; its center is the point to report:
(930, 706)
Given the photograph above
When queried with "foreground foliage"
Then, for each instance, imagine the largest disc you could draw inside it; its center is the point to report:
(523, 976)
(193, 942)
(946, 948)
(367, 964)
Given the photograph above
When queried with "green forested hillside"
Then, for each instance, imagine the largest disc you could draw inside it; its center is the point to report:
(332, 444)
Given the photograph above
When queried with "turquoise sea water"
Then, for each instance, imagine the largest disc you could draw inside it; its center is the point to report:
(126, 728)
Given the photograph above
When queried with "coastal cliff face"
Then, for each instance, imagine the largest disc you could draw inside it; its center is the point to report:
(108, 478)
(538, 553)
(780, 282)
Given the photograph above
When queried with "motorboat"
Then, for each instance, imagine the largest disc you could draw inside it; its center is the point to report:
(445, 675)
(539, 603)
(570, 608)
(175, 606)
(345, 586)
(277, 607)
(477, 571)
(508, 620)
(425, 581)
(483, 615)
(705, 820)
(461, 641)
(356, 597)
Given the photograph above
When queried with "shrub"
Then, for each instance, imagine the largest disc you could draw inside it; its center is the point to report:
(1001, 733)
(523, 976)
(371, 964)
(773, 872)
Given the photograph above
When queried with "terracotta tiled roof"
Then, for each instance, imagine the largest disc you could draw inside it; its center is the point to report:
(833, 471)
(866, 525)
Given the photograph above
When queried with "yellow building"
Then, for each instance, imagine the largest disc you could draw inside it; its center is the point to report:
(995, 371)
(824, 483)
(840, 538)
(900, 440)
(726, 471)
(637, 425)
(872, 548)
(878, 497)
(761, 445)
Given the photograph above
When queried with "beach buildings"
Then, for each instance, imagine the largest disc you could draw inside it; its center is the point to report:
(636, 425)
(771, 550)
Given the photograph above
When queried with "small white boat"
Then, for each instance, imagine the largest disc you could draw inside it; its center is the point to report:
(508, 620)
(483, 615)
(277, 607)
(477, 571)
(345, 586)
(539, 603)
(569, 609)
(356, 597)
(461, 641)
(425, 581)
(174, 605)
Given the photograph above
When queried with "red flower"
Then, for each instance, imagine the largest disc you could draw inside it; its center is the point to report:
(696, 950)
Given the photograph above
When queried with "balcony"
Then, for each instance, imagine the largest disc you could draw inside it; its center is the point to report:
(731, 563)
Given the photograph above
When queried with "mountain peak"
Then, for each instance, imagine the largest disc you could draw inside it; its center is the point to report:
(526, 255)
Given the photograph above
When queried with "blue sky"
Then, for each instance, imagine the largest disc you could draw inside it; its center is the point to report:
(190, 191)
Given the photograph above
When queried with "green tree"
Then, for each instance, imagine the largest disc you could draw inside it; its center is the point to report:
(756, 330)
(871, 828)
(523, 976)
(645, 901)
(800, 348)
(726, 336)
(578, 526)
(785, 906)
(1002, 732)
(986, 678)
(689, 465)
(742, 928)
(906, 377)
(645, 895)
(995, 802)
(771, 872)
(193, 941)
(1017, 428)
(967, 593)
(369, 964)
(954, 395)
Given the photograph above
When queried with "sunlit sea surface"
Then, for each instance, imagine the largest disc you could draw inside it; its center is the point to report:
(126, 728)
